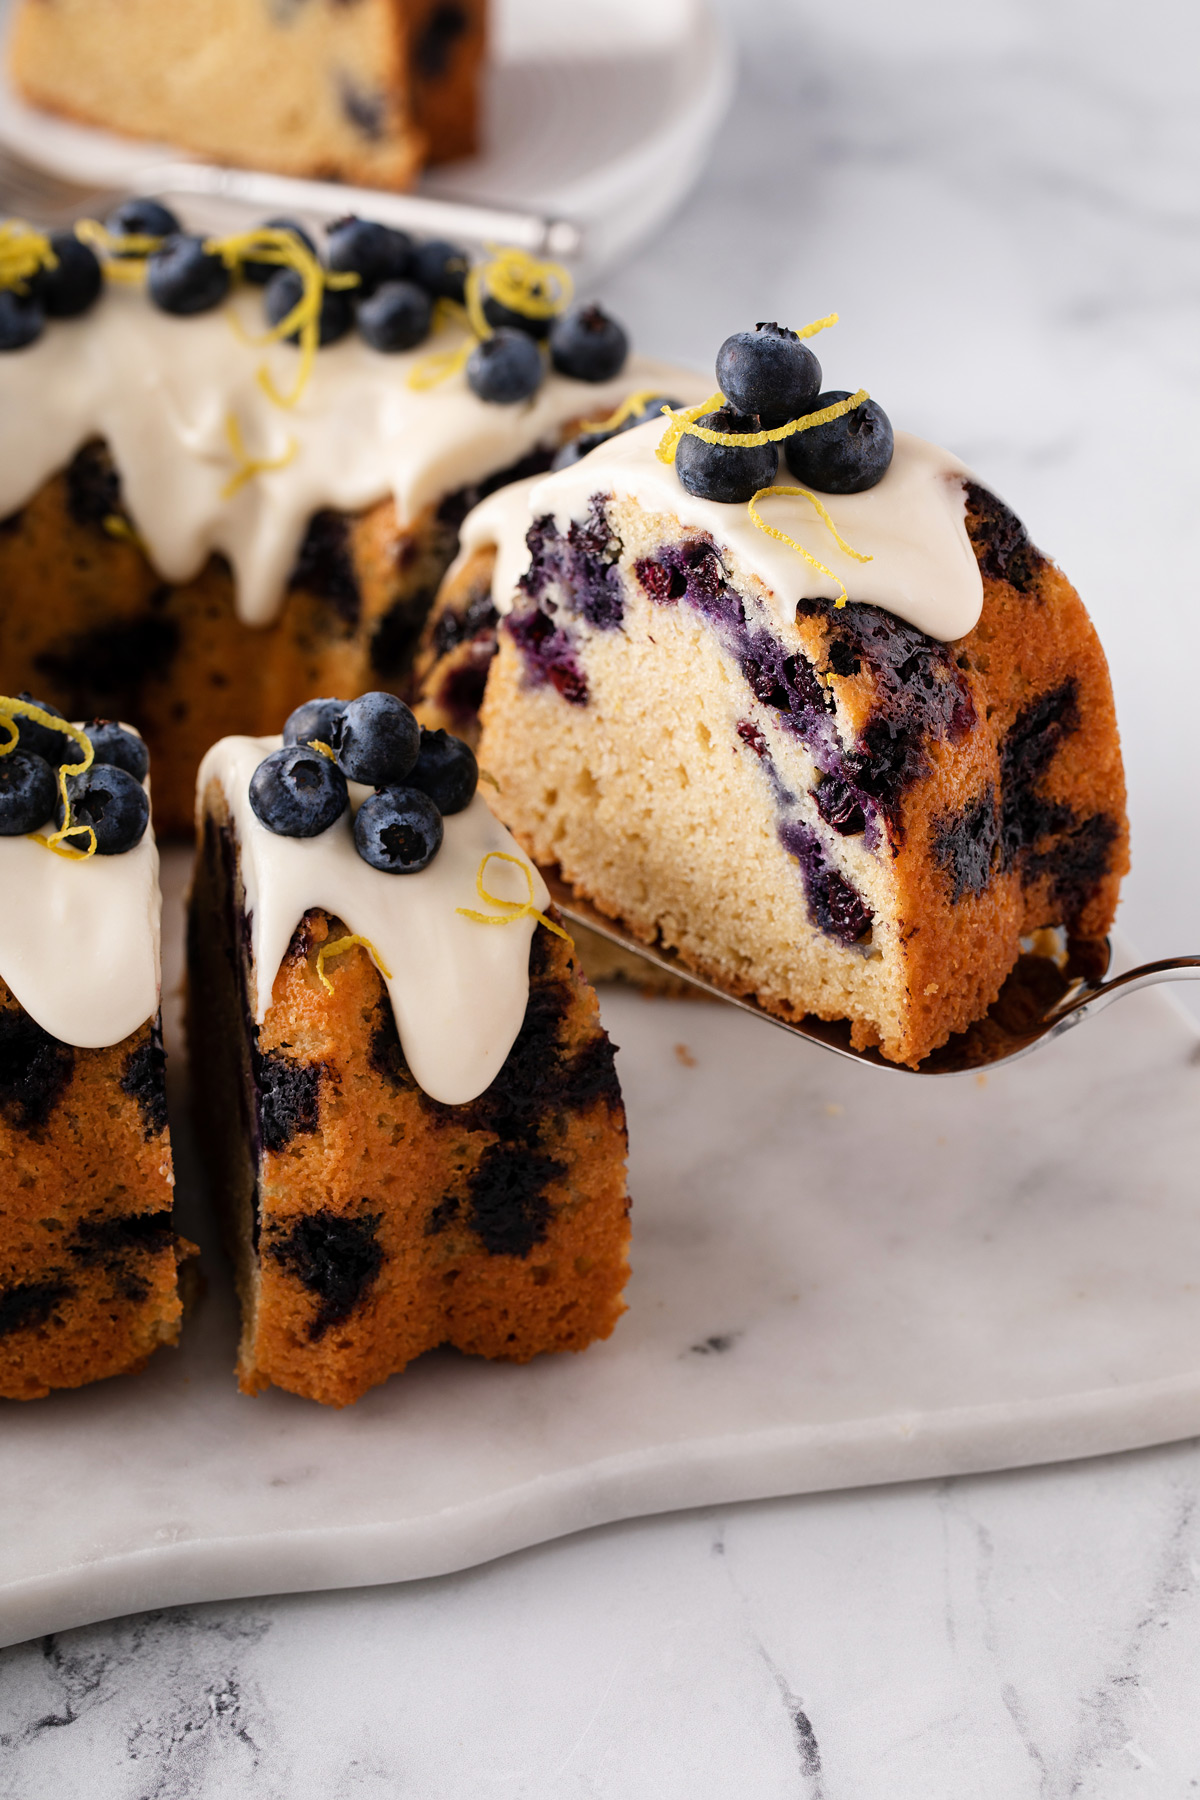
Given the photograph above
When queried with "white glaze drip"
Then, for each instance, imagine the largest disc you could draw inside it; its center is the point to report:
(458, 989)
(499, 523)
(80, 945)
(912, 524)
(161, 390)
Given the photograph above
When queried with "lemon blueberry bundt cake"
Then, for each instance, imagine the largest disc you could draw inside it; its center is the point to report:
(839, 741)
(200, 528)
(87, 1252)
(411, 1107)
(362, 93)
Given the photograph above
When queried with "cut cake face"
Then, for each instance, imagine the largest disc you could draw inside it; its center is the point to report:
(815, 802)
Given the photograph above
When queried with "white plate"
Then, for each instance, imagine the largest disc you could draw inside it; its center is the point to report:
(840, 1276)
(599, 113)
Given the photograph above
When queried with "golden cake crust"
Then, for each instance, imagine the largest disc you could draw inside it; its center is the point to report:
(393, 1183)
(88, 1256)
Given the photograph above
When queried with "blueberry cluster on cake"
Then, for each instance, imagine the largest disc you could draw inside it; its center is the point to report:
(232, 470)
(88, 1253)
(840, 740)
(363, 93)
(409, 1102)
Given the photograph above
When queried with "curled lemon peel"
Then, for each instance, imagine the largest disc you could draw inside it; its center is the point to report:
(536, 290)
(323, 749)
(124, 255)
(24, 253)
(271, 244)
(250, 466)
(513, 909)
(117, 526)
(10, 711)
(684, 424)
(349, 943)
(486, 775)
(628, 407)
(783, 538)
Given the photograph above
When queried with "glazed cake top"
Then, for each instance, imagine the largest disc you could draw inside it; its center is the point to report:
(458, 987)
(162, 390)
(80, 947)
(912, 525)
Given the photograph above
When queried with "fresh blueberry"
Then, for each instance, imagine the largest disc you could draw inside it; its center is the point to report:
(587, 344)
(398, 830)
(259, 273)
(111, 743)
(769, 371)
(506, 318)
(848, 455)
(505, 368)
(21, 320)
(376, 740)
(724, 471)
(283, 292)
(396, 317)
(446, 770)
(375, 253)
(74, 284)
(112, 803)
(297, 792)
(316, 719)
(27, 793)
(183, 277)
(441, 269)
(52, 746)
(141, 217)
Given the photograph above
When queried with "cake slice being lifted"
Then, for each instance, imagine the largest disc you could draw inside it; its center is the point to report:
(409, 1102)
(87, 1251)
(842, 747)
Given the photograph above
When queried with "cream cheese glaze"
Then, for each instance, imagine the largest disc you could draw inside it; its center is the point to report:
(912, 524)
(458, 988)
(161, 391)
(80, 946)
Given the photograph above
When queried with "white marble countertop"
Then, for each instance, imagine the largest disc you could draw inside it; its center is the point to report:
(1001, 201)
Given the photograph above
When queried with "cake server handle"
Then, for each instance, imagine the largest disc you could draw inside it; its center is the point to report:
(263, 192)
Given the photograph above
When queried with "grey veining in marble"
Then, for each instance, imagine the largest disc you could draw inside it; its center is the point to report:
(1002, 201)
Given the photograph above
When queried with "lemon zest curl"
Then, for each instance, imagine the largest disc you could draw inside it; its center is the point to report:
(272, 244)
(10, 711)
(250, 466)
(513, 909)
(628, 407)
(124, 254)
(349, 943)
(782, 537)
(24, 253)
(513, 278)
(323, 749)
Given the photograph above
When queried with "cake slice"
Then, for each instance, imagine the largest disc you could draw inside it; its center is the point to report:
(847, 808)
(362, 93)
(435, 1155)
(88, 1254)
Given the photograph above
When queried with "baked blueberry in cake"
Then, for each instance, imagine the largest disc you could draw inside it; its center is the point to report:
(201, 526)
(88, 1254)
(840, 740)
(409, 1102)
(363, 93)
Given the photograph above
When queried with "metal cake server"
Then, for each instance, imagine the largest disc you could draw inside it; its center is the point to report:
(1044, 996)
(50, 199)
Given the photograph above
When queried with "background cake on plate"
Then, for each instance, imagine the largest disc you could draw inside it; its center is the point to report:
(362, 93)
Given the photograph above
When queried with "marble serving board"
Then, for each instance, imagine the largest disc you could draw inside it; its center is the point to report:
(841, 1276)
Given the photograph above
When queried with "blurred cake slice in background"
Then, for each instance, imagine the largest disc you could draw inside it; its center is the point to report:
(362, 93)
